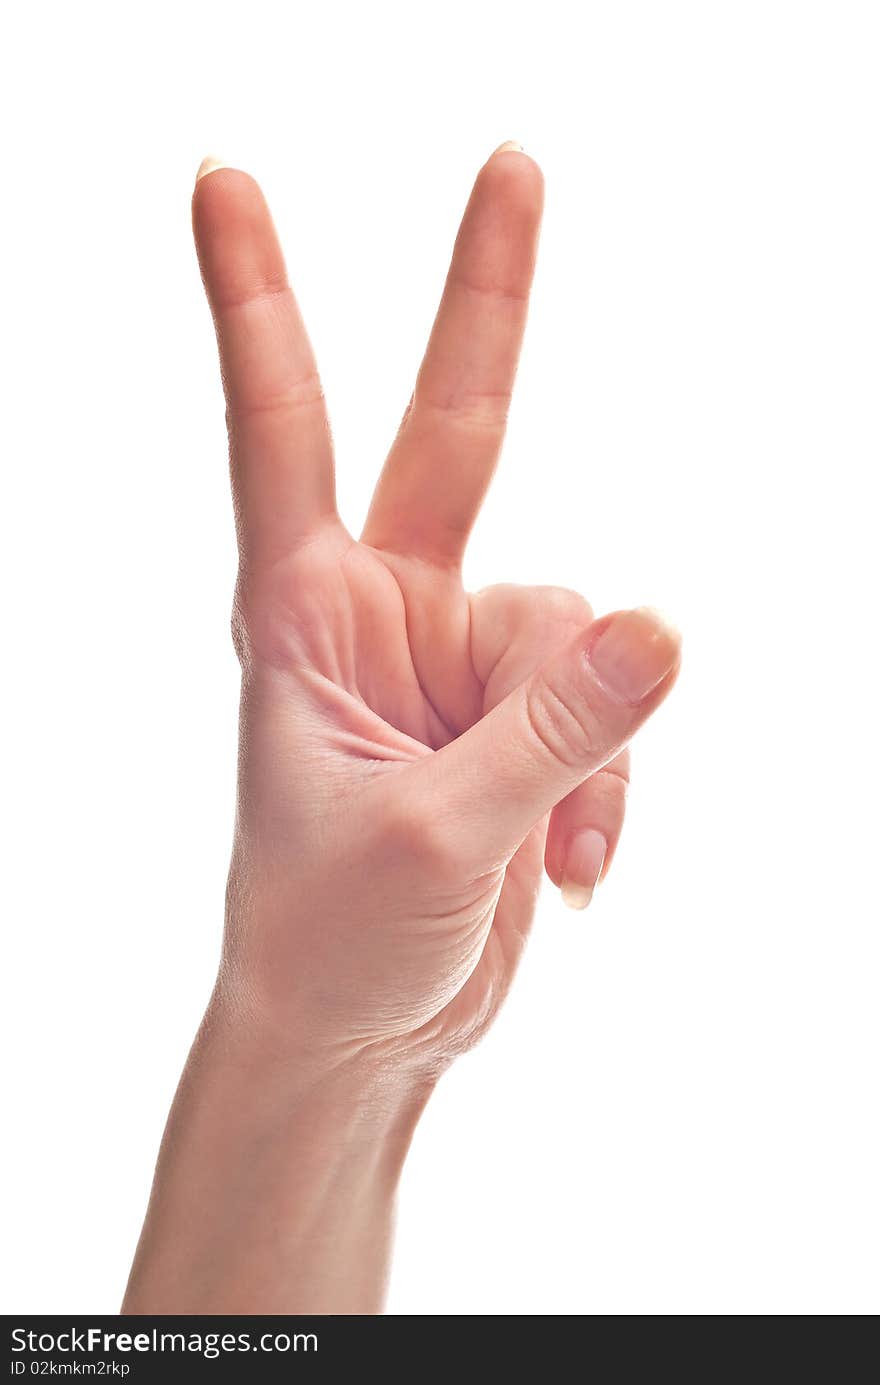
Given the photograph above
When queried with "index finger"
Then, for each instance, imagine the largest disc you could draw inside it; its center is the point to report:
(280, 450)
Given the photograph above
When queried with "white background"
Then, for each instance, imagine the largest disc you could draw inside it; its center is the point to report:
(677, 1111)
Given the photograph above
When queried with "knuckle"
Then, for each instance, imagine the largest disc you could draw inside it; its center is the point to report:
(615, 786)
(472, 411)
(563, 721)
(619, 768)
(288, 398)
(420, 840)
(240, 627)
(264, 631)
(564, 605)
(608, 790)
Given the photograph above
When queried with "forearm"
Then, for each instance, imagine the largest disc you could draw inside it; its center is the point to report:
(275, 1186)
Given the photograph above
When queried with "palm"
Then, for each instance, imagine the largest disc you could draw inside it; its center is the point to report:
(384, 650)
(393, 636)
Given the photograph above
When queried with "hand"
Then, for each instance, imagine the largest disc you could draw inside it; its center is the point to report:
(409, 757)
(402, 742)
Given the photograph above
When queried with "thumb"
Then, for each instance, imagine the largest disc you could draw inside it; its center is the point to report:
(496, 781)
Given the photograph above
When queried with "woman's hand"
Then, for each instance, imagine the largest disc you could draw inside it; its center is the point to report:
(411, 758)
(402, 742)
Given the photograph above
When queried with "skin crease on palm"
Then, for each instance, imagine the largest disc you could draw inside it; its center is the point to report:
(413, 758)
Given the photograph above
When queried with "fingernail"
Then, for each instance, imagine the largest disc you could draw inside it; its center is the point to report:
(510, 146)
(634, 653)
(209, 165)
(583, 866)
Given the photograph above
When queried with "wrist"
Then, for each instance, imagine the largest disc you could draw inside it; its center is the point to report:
(277, 1176)
(370, 1096)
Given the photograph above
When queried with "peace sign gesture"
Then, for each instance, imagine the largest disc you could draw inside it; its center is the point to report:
(411, 755)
